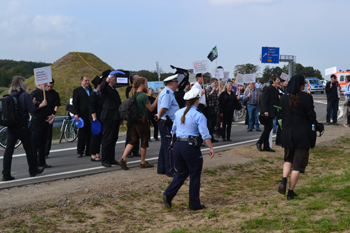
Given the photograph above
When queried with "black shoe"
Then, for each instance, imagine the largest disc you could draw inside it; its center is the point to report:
(199, 208)
(224, 139)
(114, 162)
(249, 130)
(130, 156)
(328, 123)
(258, 145)
(269, 150)
(229, 139)
(282, 188)
(79, 155)
(214, 140)
(291, 195)
(46, 166)
(167, 201)
(258, 130)
(137, 155)
(7, 178)
(157, 139)
(39, 170)
(335, 124)
(106, 164)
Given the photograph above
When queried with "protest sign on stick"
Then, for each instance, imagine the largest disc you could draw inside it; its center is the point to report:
(249, 78)
(240, 79)
(200, 67)
(43, 75)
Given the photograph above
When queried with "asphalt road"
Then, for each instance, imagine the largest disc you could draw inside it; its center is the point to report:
(65, 163)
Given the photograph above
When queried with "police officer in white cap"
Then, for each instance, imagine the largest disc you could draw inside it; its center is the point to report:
(189, 124)
(166, 107)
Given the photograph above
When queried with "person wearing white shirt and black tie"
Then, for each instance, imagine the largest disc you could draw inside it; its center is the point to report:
(202, 100)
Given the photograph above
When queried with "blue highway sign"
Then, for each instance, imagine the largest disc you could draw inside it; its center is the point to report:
(270, 55)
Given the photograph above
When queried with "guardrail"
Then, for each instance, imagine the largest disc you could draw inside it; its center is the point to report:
(58, 121)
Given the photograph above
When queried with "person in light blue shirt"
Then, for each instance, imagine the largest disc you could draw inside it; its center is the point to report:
(189, 122)
(258, 84)
(167, 106)
(346, 94)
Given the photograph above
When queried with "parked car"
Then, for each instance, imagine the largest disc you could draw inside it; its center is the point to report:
(315, 85)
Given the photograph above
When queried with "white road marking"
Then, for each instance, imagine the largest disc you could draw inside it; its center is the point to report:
(102, 167)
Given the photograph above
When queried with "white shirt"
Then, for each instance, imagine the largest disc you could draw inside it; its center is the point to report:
(202, 100)
(347, 91)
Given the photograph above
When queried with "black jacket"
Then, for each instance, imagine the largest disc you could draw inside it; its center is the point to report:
(227, 102)
(95, 105)
(110, 102)
(332, 93)
(296, 122)
(268, 99)
(81, 102)
(44, 111)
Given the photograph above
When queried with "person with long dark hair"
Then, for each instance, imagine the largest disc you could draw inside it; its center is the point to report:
(21, 131)
(188, 124)
(227, 102)
(298, 132)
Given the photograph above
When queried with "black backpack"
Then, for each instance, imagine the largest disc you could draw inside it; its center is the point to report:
(9, 112)
(128, 110)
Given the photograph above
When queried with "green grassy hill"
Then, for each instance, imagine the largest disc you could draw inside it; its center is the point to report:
(67, 72)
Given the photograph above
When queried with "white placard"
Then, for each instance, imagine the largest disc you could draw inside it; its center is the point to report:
(284, 76)
(158, 70)
(240, 79)
(200, 67)
(330, 71)
(249, 78)
(218, 74)
(121, 80)
(226, 76)
(42, 75)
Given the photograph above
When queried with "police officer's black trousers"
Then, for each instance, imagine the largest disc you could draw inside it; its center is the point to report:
(188, 161)
(109, 139)
(165, 163)
(22, 133)
(39, 133)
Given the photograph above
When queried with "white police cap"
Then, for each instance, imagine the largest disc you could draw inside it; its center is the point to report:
(172, 78)
(192, 94)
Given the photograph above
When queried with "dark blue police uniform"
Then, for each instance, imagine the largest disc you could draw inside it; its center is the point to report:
(166, 100)
(188, 160)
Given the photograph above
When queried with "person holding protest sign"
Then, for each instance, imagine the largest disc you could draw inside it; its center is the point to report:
(52, 94)
(42, 118)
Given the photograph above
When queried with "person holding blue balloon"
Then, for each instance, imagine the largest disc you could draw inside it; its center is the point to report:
(95, 108)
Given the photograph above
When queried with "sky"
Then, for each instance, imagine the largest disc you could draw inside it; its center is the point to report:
(135, 34)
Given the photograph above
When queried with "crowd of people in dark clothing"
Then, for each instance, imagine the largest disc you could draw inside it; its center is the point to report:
(217, 102)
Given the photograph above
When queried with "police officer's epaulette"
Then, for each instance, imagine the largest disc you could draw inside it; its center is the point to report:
(167, 91)
(199, 110)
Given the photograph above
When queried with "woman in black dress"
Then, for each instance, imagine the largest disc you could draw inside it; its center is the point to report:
(227, 102)
(298, 132)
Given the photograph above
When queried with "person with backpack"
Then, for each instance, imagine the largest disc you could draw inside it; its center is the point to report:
(110, 118)
(139, 129)
(21, 130)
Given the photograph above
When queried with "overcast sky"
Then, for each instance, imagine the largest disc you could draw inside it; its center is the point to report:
(134, 34)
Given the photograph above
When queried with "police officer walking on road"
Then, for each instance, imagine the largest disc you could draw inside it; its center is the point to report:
(189, 123)
(167, 106)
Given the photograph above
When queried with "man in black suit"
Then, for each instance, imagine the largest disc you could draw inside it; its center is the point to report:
(269, 98)
(81, 98)
(110, 118)
(332, 89)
